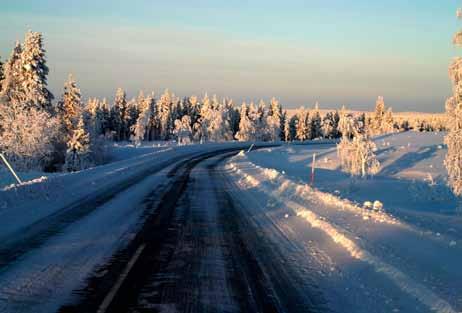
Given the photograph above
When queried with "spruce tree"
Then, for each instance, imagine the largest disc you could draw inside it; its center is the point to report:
(246, 127)
(10, 87)
(303, 131)
(378, 118)
(118, 115)
(287, 132)
(78, 154)
(70, 107)
(164, 106)
(328, 125)
(33, 71)
(315, 123)
(139, 130)
(274, 120)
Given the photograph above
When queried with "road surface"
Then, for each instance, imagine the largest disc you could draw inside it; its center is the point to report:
(194, 248)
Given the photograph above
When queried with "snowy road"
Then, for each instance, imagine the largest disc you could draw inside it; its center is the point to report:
(198, 252)
(210, 231)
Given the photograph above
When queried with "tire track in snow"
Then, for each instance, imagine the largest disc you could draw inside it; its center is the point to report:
(336, 233)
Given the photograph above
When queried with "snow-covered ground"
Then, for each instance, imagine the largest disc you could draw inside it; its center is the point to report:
(403, 258)
(56, 229)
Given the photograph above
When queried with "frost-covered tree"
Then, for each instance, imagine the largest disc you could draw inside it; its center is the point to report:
(246, 128)
(315, 123)
(78, 154)
(106, 123)
(287, 132)
(303, 128)
(206, 117)
(273, 121)
(356, 149)
(293, 125)
(119, 115)
(164, 107)
(357, 155)
(140, 128)
(388, 125)
(378, 117)
(28, 137)
(32, 76)
(346, 124)
(453, 139)
(93, 116)
(328, 128)
(70, 106)
(260, 121)
(131, 116)
(192, 108)
(10, 88)
(218, 126)
(183, 131)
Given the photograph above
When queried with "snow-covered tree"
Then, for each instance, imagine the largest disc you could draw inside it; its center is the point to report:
(131, 116)
(378, 117)
(293, 125)
(218, 122)
(388, 125)
(28, 137)
(246, 128)
(453, 139)
(32, 76)
(78, 154)
(93, 116)
(328, 128)
(140, 128)
(357, 155)
(10, 87)
(287, 133)
(315, 123)
(119, 115)
(164, 106)
(356, 149)
(273, 121)
(303, 128)
(346, 124)
(183, 131)
(192, 109)
(70, 107)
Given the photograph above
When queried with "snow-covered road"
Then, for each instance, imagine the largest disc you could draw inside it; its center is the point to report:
(201, 229)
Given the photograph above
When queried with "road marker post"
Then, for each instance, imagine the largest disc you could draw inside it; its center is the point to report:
(312, 169)
(10, 168)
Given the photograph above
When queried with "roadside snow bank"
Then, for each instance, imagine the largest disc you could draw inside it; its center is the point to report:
(305, 193)
(345, 224)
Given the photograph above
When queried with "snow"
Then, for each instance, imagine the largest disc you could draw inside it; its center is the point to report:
(63, 261)
(392, 241)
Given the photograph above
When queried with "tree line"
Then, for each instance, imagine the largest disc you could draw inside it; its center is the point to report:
(38, 131)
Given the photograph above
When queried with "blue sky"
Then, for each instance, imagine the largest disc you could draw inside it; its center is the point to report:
(335, 52)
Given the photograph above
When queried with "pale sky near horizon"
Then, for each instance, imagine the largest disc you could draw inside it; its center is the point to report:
(335, 52)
